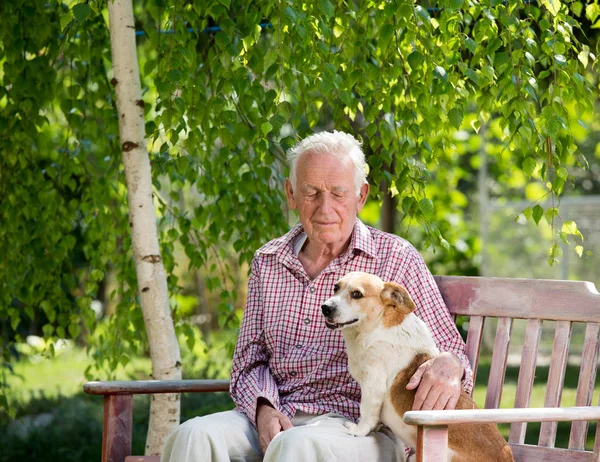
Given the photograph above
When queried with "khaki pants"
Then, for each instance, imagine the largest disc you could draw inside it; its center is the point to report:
(229, 435)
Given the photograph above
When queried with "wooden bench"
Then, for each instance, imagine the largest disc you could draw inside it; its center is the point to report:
(535, 301)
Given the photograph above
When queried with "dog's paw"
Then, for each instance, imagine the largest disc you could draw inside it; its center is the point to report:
(358, 429)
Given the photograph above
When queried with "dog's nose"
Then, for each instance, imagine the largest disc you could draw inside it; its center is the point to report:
(327, 309)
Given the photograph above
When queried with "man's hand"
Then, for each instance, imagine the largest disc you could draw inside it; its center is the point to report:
(439, 383)
(269, 422)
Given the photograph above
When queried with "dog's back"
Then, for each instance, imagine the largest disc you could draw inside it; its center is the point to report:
(467, 442)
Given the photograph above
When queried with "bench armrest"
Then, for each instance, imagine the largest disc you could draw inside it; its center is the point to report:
(138, 387)
(543, 414)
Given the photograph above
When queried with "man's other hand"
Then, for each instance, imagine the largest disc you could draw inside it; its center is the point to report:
(269, 422)
(438, 382)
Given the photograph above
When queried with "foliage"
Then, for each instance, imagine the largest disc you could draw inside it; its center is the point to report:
(226, 91)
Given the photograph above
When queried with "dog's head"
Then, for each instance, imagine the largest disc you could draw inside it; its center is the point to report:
(361, 298)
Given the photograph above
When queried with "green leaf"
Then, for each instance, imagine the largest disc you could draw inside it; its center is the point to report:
(560, 60)
(81, 12)
(455, 116)
(579, 250)
(553, 6)
(529, 165)
(266, 127)
(326, 7)
(592, 11)
(570, 227)
(440, 73)
(537, 213)
(426, 206)
(415, 60)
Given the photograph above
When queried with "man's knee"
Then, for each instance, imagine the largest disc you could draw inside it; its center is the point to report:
(291, 441)
(204, 428)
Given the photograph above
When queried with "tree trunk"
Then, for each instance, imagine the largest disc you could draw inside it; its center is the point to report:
(150, 271)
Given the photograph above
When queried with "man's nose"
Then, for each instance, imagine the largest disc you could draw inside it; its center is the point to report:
(327, 310)
(325, 203)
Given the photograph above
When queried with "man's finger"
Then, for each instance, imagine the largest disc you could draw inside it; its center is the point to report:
(453, 401)
(285, 422)
(415, 380)
(420, 396)
(432, 396)
(442, 401)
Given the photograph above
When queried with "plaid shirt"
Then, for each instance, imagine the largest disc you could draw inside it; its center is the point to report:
(286, 354)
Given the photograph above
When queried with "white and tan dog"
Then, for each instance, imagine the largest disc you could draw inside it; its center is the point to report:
(386, 343)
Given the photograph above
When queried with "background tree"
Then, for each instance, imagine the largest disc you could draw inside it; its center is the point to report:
(229, 86)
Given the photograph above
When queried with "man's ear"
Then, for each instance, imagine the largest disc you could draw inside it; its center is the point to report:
(362, 197)
(289, 192)
(397, 296)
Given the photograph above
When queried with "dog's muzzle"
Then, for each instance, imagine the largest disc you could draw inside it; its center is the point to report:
(328, 310)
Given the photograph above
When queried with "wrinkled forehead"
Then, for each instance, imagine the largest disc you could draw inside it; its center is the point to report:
(364, 282)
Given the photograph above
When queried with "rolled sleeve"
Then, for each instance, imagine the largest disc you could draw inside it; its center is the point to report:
(251, 378)
(431, 308)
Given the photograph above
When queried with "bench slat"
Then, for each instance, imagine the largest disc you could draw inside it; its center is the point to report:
(498, 367)
(533, 332)
(556, 376)
(585, 386)
(521, 298)
(532, 453)
(474, 337)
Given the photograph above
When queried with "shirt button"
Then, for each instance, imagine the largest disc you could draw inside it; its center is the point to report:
(306, 320)
(312, 289)
(293, 373)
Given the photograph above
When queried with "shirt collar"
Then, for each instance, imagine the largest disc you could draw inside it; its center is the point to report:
(288, 246)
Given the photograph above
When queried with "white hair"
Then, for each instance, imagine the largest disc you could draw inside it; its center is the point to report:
(339, 144)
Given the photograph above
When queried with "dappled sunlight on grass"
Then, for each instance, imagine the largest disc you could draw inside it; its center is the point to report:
(63, 375)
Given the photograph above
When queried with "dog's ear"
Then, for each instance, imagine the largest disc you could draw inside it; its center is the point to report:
(397, 296)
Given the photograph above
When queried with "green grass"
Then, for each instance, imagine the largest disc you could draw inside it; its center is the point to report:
(62, 375)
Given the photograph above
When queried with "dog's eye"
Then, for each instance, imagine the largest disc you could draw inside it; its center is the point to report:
(356, 294)
(336, 288)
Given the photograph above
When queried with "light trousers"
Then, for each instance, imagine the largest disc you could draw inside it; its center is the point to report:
(229, 436)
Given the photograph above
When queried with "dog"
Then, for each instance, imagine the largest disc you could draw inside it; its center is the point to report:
(386, 343)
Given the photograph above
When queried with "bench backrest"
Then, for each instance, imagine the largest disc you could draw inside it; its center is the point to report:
(535, 301)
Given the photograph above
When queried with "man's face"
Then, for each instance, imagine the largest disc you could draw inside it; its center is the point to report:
(326, 197)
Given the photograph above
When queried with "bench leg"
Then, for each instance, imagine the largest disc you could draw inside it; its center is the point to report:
(432, 444)
(117, 427)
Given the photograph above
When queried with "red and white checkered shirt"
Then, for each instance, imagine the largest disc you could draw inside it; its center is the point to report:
(286, 354)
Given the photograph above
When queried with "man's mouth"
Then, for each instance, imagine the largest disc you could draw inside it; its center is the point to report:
(337, 325)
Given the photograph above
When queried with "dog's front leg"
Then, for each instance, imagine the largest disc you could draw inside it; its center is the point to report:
(373, 391)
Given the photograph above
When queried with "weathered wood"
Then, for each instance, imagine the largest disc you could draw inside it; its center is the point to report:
(155, 386)
(117, 426)
(533, 332)
(532, 453)
(585, 385)
(521, 298)
(432, 444)
(535, 414)
(498, 367)
(473, 347)
(556, 378)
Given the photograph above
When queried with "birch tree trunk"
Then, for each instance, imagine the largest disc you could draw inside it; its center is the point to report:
(151, 277)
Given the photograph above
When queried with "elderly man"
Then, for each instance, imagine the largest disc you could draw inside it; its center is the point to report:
(289, 378)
